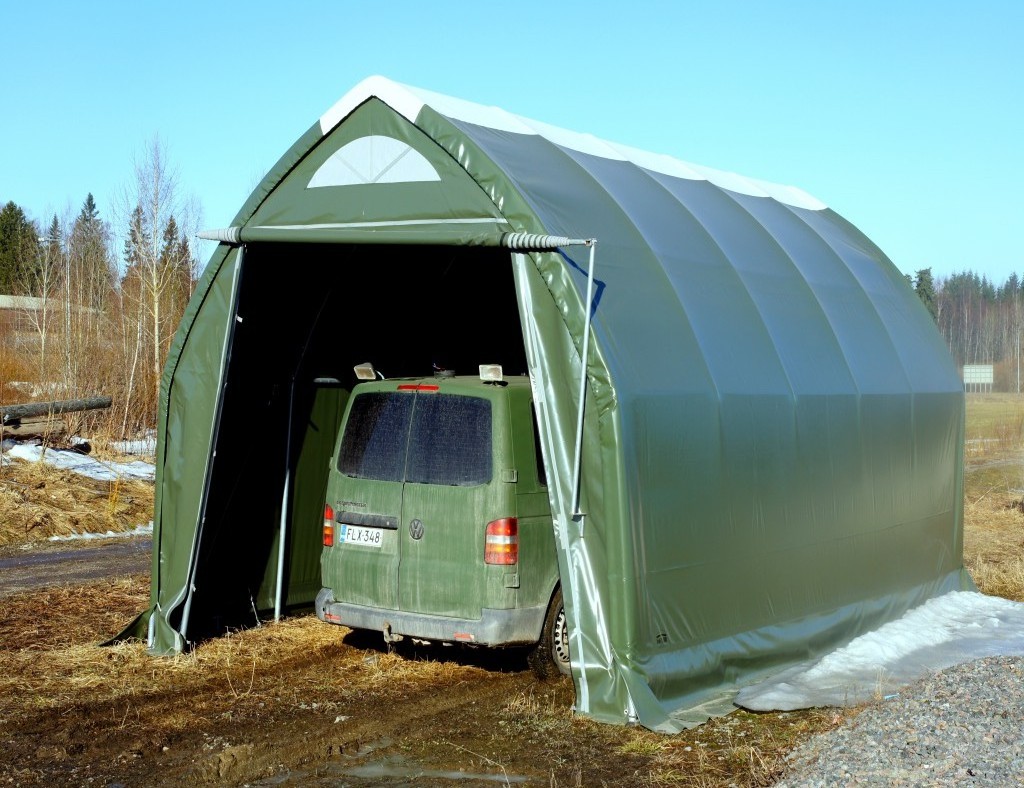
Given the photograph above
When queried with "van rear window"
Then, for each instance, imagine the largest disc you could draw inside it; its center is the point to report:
(426, 439)
(376, 435)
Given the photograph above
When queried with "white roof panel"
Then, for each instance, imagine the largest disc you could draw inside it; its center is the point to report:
(408, 101)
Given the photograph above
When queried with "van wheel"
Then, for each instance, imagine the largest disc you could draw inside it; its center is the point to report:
(551, 654)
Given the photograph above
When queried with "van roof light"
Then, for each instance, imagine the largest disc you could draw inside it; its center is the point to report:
(491, 373)
(365, 371)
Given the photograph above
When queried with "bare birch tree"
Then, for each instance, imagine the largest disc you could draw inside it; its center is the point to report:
(44, 284)
(159, 271)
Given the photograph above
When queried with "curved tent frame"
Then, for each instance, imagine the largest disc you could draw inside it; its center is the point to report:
(772, 431)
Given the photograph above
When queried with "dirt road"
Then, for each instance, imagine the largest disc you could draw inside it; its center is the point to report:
(55, 563)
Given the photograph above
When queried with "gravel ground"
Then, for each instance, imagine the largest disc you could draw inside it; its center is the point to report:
(961, 726)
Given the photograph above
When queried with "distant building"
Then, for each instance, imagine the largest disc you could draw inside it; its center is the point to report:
(17, 316)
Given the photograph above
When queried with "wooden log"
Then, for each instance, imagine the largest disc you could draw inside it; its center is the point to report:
(36, 428)
(15, 413)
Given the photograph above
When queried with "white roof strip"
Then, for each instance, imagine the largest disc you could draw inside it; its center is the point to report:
(408, 101)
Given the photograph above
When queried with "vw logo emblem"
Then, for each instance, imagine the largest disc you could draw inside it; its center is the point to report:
(416, 529)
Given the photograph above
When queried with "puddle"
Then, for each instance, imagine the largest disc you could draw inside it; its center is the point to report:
(393, 771)
(392, 768)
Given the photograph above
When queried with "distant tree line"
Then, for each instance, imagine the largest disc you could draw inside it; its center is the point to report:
(93, 318)
(982, 321)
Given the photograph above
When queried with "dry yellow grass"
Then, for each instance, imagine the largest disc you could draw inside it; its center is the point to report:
(995, 416)
(994, 542)
(49, 656)
(301, 675)
(38, 501)
(994, 494)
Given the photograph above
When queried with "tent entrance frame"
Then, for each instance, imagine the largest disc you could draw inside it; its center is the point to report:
(517, 242)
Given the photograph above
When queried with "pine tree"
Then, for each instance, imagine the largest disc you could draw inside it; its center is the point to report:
(924, 286)
(89, 213)
(52, 238)
(19, 250)
(93, 269)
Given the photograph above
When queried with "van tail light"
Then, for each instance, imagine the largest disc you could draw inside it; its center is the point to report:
(328, 526)
(501, 544)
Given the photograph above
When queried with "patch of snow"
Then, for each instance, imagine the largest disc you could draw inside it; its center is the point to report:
(956, 627)
(139, 530)
(82, 464)
(145, 446)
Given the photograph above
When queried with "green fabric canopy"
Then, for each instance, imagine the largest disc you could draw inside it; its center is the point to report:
(772, 431)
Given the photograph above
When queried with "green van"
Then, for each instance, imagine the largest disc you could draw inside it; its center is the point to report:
(437, 525)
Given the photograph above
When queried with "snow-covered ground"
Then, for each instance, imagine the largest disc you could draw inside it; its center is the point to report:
(957, 627)
(139, 530)
(146, 446)
(80, 463)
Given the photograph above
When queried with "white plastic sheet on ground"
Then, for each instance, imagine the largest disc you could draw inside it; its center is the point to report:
(957, 627)
(81, 463)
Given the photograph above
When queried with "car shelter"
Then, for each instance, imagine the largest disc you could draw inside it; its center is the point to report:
(751, 427)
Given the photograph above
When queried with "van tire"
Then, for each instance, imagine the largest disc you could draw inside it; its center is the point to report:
(550, 657)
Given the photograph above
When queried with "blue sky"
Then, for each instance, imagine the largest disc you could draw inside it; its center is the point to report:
(905, 117)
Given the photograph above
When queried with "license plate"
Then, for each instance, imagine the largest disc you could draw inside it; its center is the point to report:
(357, 534)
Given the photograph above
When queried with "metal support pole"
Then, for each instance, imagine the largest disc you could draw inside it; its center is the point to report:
(283, 528)
(541, 242)
(584, 360)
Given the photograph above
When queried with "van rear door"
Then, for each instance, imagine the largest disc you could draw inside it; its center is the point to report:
(450, 494)
(367, 496)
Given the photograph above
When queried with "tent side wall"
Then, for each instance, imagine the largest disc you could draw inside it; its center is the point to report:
(189, 402)
(785, 435)
(189, 397)
(589, 587)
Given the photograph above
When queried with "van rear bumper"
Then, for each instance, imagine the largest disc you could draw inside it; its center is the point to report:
(518, 627)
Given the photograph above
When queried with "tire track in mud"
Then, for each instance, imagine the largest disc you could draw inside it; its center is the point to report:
(393, 741)
(371, 732)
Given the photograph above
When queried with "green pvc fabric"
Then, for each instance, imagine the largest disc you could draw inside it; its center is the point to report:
(410, 190)
(773, 429)
(773, 450)
(314, 447)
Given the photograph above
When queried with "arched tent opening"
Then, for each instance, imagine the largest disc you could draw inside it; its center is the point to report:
(295, 342)
(772, 433)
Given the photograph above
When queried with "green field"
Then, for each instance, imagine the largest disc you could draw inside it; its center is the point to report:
(995, 416)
